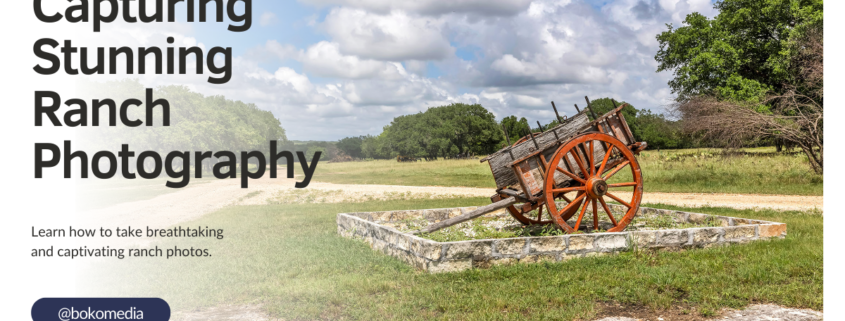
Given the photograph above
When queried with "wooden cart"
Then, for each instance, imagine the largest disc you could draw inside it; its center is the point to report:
(548, 177)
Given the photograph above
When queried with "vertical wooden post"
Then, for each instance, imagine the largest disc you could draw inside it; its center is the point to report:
(508, 139)
(589, 106)
(559, 120)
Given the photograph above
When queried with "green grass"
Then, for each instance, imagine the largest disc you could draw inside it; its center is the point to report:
(451, 172)
(760, 171)
(290, 260)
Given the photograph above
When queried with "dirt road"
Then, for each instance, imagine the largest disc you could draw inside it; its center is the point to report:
(195, 201)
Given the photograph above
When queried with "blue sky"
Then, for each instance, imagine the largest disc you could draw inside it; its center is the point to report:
(335, 68)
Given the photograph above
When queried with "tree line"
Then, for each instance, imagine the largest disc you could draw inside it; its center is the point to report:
(197, 122)
(462, 130)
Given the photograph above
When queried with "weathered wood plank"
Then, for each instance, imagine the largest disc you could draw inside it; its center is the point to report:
(467, 216)
(501, 160)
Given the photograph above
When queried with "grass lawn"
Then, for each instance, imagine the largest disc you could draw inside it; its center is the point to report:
(290, 260)
(759, 171)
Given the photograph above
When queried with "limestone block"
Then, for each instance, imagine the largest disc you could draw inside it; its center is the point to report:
(427, 249)
(468, 249)
(772, 230)
(704, 236)
(510, 246)
(697, 218)
(450, 266)
(547, 244)
(672, 238)
(643, 239)
(538, 258)
(436, 215)
(380, 216)
(402, 242)
(579, 242)
(743, 232)
(611, 242)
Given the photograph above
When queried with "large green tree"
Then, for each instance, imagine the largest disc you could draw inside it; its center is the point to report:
(754, 72)
(445, 131)
(740, 54)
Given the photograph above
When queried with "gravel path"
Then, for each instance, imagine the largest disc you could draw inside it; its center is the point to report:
(195, 201)
(756, 312)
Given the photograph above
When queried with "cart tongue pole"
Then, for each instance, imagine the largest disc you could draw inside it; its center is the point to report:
(467, 216)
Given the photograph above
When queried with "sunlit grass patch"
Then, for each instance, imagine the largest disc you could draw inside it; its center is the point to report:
(290, 260)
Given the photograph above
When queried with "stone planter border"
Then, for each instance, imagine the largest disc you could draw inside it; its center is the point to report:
(436, 257)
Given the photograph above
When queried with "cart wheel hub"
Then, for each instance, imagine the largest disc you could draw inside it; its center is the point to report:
(596, 187)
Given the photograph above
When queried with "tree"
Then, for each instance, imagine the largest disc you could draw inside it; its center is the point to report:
(197, 122)
(516, 128)
(352, 146)
(740, 54)
(659, 132)
(752, 73)
(375, 147)
(444, 131)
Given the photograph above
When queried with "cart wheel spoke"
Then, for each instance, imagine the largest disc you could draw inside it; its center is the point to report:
(591, 157)
(595, 216)
(618, 200)
(579, 163)
(568, 206)
(569, 189)
(607, 210)
(583, 210)
(607, 154)
(628, 184)
(616, 170)
(573, 176)
(539, 213)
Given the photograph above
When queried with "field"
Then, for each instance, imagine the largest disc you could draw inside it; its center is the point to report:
(290, 260)
(753, 171)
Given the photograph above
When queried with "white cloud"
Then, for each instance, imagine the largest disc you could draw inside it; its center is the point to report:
(325, 59)
(416, 66)
(267, 18)
(434, 7)
(395, 36)
(382, 59)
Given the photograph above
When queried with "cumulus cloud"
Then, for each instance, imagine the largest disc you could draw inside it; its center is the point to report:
(393, 36)
(434, 7)
(382, 59)
(325, 59)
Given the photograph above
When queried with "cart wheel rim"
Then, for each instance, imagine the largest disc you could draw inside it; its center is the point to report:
(525, 139)
(527, 217)
(573, 161)
(541, 217)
